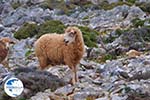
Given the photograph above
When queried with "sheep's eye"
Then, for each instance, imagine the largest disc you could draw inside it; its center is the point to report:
(72, 34)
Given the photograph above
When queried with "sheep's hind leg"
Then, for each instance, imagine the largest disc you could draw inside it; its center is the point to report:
(74, 75)
(43, 62)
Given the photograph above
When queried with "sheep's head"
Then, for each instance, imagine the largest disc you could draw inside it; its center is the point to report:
(7, 41)
(70, 35)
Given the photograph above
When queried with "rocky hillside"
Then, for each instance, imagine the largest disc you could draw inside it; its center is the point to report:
(116, 65)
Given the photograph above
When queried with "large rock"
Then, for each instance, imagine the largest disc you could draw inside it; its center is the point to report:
(135, 12)
(87, 91)
(5, 8)
(47, 14)
(35, 12)
(137, 39)
(1, 28)
(20, 52)
(42, 95)
(112, 1)
(37, 1)
(140, 1)
(108, 19)
(119, 16)
(36, 81)
(67, 20)
(22, 15)
(12, 18)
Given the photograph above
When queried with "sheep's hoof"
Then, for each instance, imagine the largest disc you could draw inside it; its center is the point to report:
(70, 82)
(73, 81)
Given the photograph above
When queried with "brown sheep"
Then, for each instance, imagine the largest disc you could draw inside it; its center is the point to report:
(56, 49)
(4, 48)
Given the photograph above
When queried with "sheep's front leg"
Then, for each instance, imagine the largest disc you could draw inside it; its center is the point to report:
(74, 75)
(43, 62)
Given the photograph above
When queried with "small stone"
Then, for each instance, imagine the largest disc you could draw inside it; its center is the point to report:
(117, 97)
(103, 98)
(41, 96)
(64, 90)
(37, 1)
(112, 1)
(1, 28)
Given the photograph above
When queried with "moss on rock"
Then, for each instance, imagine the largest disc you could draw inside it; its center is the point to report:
(27, 30)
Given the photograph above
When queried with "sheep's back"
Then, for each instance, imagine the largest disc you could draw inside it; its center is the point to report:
(51, 46)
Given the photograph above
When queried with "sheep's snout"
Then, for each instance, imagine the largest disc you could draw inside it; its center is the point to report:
(69, 38)
(66, 41)
(7, 41)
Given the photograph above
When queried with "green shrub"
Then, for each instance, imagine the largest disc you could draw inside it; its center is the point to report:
(22, 99)
(27, 30)
(57, 4)
(31, 29)
(52, 26)
(106, 6)
(51, 4)
(88, 42)
(15, 5)
(108, 57)
(90, 36)
(28, 52)
(111, 38)
(86, 17)
(137, 22)
(119, 32)
(131, 1)
(144, 6)
(104, 58)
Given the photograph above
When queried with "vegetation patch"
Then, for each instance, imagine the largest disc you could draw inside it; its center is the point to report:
(55, 26)
(138, 22)
(52, 26)
(58, 4)
(111, 38)
(28, 52)
(136, 35)
(27, 30)
(105, 57)
(16, 4)
(106, 6)
(90, 36)
(131, 1)
(66, 7)
(108, 57)
(145, 6)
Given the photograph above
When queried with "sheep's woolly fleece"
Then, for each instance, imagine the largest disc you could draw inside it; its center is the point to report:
(51, 49)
